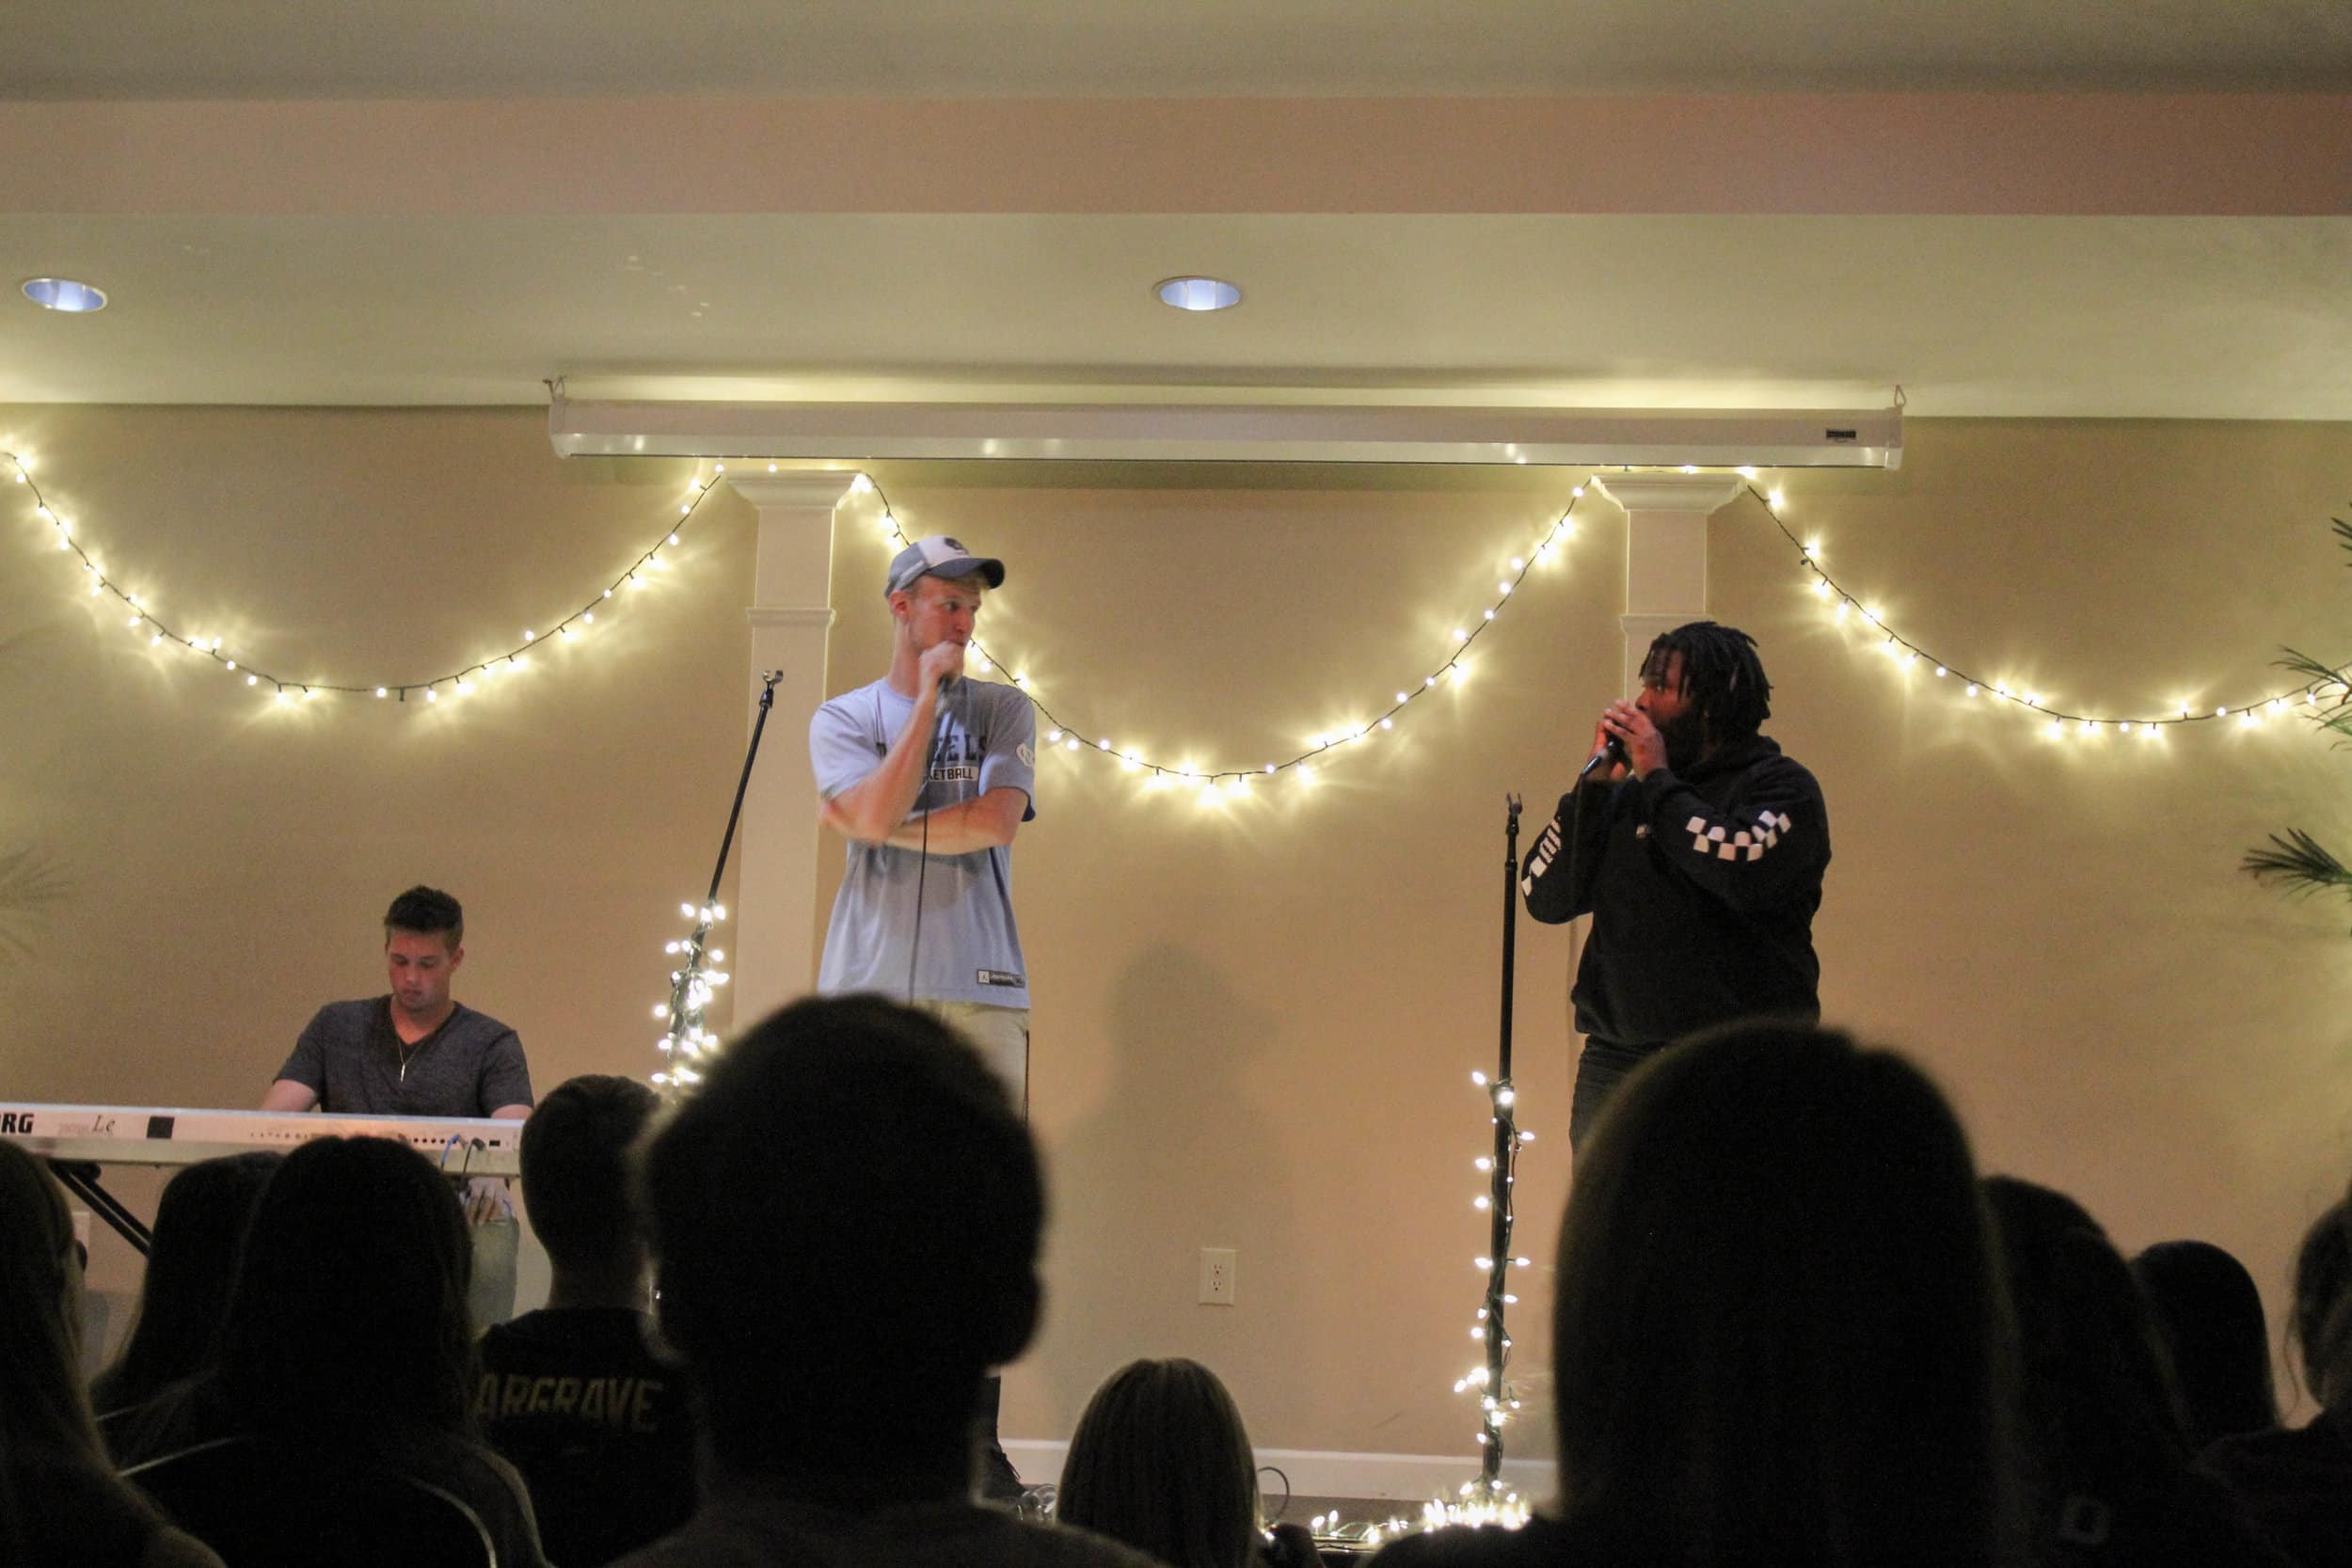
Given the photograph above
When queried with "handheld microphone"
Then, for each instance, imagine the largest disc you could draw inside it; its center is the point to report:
(948, 678)
(1611, 754)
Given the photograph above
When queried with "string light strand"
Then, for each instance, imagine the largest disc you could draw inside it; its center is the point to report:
(143, 620)
(1487, 1382)
(685, 1043)
(1069, 736)
(2323, 688)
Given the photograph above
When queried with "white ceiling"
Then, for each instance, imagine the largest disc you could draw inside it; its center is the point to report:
(2150, 317)
(2201, 304)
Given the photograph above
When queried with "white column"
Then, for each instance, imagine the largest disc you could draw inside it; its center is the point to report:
(1666, 552)
(774, 929)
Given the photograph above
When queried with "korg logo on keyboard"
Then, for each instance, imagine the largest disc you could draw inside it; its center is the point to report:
(16, 1121)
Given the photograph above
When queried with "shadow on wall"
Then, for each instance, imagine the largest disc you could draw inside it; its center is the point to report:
(31, 884)
(1176, 1156)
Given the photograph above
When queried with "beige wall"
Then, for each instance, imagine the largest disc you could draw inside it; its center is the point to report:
(1254, 1022)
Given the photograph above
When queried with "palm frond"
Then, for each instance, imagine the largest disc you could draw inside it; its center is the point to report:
(2299, 862)
(2332, 710)
(2295, 661)
(2295, 860)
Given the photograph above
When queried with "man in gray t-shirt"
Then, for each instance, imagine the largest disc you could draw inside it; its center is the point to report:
(417, 1051)
(929, 774)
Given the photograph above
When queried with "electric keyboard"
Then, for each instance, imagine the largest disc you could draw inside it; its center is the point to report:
(158, 1135)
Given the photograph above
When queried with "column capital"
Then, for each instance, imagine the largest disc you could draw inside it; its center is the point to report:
(796, 487)
(1650, 492)
(1665, 551)
(1640, 630)
(792, 617)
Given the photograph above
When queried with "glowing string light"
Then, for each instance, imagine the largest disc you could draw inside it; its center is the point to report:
(2057, 723)
(158, 633)
(1488, 1380)
(688, 1044)
(1454, 667)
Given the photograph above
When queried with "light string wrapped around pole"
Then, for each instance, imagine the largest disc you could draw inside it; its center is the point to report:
(687, 1043)
(1503, 1212)
(1486, 1500)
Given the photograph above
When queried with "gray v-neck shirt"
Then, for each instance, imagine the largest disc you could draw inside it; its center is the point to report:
(355, 1061)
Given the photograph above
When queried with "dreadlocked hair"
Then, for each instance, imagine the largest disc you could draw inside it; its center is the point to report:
(1721, 674)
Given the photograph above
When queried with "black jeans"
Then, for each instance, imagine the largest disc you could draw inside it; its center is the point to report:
(1598, 1070)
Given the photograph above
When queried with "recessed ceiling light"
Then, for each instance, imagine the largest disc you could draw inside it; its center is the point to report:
(63, 294)
(1198, 294)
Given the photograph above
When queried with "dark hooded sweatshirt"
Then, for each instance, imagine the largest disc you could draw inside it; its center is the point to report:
(1702, 889)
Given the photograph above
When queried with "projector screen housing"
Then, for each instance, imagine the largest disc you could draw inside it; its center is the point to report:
(838, 432)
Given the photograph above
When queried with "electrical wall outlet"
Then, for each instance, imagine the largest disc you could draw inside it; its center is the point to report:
(1216, 1276)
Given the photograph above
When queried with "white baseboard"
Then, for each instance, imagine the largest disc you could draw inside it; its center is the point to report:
(1404, 1478)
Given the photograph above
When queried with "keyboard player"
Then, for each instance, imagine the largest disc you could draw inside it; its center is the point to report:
(416, 1051)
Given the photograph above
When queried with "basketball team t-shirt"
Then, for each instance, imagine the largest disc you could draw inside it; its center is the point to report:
(985, 738)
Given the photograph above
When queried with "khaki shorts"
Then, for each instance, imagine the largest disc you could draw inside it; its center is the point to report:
(1002, 1036)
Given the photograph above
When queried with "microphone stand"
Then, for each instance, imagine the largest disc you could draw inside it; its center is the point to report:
(690, 986)
(1497, 1399)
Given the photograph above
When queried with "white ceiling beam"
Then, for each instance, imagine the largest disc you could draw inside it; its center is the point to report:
(1229, 433)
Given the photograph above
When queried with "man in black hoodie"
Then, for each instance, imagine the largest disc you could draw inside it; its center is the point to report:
(1697, 848)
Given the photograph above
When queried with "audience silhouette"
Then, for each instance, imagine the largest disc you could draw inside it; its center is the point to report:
(60, 1504)
(845, 1219)
(346, 1341)
(2209, 1317)
(1162, 1462)
(1778, 1334)
(2107, 1463)
(573, 1394)
(1790, 1325)
(191, 1263)
(2298, 1484)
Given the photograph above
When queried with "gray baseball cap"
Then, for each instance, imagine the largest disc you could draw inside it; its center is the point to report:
(940, 556)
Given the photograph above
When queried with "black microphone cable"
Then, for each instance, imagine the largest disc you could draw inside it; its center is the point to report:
(923, 867)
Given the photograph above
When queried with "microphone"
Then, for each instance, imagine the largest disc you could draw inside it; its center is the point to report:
(1611, 753)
